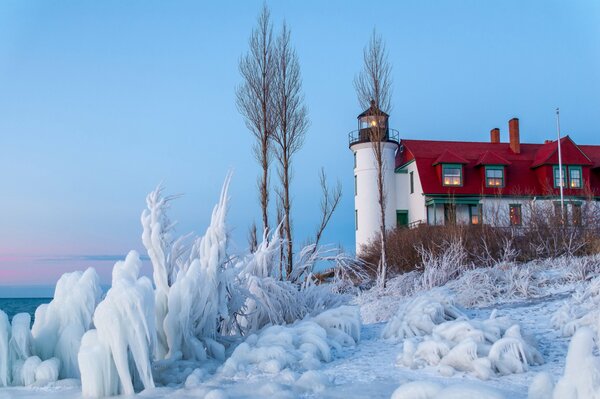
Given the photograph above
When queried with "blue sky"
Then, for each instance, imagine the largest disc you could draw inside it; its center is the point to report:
(101, 101)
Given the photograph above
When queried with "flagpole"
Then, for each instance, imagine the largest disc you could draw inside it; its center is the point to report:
(560, 168)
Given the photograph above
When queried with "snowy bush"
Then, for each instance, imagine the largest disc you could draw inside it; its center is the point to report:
(436, 333)
(581, 310)
(303, 345)
(439, 268)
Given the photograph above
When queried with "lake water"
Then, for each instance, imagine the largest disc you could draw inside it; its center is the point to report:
(12, 306)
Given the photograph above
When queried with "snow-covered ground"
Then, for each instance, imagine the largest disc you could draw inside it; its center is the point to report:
(371, 368)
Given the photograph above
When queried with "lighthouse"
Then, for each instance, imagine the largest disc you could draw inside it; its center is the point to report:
(362, 143)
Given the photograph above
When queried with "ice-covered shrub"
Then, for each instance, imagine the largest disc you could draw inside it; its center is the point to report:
(443, 266)
(59, 325)
(581, 310)
(125, 334)
(436, 333)
(418, 316)
(303, 345)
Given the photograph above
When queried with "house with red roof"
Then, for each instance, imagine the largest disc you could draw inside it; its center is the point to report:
(442, 182)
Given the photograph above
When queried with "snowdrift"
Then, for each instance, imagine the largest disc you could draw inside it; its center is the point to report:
(437, 333)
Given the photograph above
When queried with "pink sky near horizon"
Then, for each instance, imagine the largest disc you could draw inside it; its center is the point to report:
(46, 270)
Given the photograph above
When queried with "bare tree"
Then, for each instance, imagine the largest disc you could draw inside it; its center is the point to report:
(329, 202)
(374, 89)
(255, 103)
(291, 125)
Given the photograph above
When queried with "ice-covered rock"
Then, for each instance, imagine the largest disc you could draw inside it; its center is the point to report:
(417, 390)
(59, 325)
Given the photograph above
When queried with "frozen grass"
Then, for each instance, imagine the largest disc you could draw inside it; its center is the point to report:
(485, 286)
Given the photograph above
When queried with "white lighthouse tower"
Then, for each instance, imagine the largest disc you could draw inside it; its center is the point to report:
(366, 198)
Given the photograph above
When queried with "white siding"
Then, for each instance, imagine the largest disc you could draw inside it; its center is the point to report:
(366, 200)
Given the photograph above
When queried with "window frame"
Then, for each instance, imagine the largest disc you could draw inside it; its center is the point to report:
(502, 178)
(556, 176)
(460, 175)
(510, 216)
(479, 215)
(580, 170)
(412, 181)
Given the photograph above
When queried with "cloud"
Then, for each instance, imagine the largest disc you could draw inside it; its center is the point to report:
(87, 258)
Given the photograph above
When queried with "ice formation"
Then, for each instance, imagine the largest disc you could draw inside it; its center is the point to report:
(4, 355)
(436, 333)
(59, 325)
(198, 298)
(125, 334)
(301, 346)
(581, 379)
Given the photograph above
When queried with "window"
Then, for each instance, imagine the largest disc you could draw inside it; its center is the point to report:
(494, 176)
(355, 185)
(452, 175)
(515, 215)
(557, 177)
(475, 214)
(354, 160)
(576, 210)
(412, 182)
(575, 179)
(449, 214)
(356, 219)
(402, 219)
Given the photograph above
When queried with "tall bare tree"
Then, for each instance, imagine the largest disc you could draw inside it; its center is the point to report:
(291, 125)
(255, 100)
(374, 89)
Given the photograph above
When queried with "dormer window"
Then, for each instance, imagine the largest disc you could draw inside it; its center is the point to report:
(452, 175)
(494, 176)
(557, 177)
(575, 177)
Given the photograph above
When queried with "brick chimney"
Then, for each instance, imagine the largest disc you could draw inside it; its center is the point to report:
(495, 135)
(513, 134)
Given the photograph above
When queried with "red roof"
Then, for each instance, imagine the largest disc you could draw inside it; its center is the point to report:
(526, 173)
(548, 153)
(491, 158)
(449, 157)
